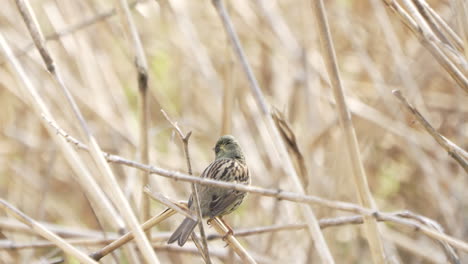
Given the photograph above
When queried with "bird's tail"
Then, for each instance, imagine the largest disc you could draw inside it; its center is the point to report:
(183, 232)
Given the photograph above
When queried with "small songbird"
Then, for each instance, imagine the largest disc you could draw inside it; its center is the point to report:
(229, 166)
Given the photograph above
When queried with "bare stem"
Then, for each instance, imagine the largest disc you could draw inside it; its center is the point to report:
(42, 231)
(141, 66)
(130, 235)
(96, 152)
(221, 228)
(185, 139)
(457, 153)
(427, 39)
(359, 175)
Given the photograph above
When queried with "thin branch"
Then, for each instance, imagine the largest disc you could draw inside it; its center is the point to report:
(439, 24)
(42, 231)
(141, 66)
(185, 139)
(448, 250)
(324, 223)
(359, 175)
(12, 245)
(457, 153)
(314, 229)
(427, 26)
(231, 240)
(6, 224)
(74, 28)
(278, 194)
(423, 36)
(172, 205)
(129, 236)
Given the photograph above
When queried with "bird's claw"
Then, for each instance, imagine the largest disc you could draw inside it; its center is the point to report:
(226, 236)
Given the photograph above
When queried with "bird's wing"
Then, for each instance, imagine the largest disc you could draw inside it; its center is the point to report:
(215, 200)
(220, 203)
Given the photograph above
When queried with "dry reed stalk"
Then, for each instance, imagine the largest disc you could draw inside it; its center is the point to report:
(104, 168)
(130, 236)
(84, 177)
(308, 214)
(42, 231)
(7, 224)
(419, 27)
(438, 24)
(457, 153)
(324, 223)
(170, 204)
(460, 10)
(141, 66)
(221, 228)
(185, 139)
(74, 28)
(360, 179)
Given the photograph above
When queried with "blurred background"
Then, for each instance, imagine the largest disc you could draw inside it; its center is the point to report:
(197, 79)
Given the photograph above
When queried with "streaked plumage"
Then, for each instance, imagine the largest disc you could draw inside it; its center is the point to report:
(229, 166)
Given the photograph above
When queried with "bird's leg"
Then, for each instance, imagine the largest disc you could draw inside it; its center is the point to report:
(230, 232)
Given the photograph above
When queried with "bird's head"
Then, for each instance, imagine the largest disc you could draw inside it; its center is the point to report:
(227, 147)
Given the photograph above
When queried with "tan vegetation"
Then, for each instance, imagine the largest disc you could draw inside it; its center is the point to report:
(106, 69)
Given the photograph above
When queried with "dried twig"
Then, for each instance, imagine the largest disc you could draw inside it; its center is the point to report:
(167, 202)
(439, 25)
(457, 153)
(359, 175)
(141, 66)
(448, 250)
(42, 231)
(324, 223)
(231, 240)
(129, 236)
(74, 28)
(185, 138)
(423, 34)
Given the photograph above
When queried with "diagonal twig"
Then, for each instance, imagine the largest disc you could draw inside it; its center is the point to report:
(231, 240)
(41, 230)
(457, 153)
(130, 235)
(359, 175)
(185, 138)
(422, 35)
(141, 66)
(172, 205)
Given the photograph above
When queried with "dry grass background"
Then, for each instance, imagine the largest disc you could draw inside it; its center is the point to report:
(191, 67)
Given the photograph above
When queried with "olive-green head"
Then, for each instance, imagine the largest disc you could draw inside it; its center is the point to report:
(227, 147)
